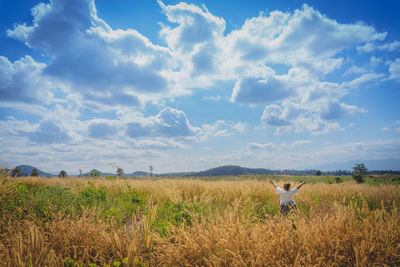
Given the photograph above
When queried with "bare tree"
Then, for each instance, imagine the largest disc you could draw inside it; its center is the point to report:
(151, 170)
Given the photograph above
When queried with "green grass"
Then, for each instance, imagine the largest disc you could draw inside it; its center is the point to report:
(47, 201)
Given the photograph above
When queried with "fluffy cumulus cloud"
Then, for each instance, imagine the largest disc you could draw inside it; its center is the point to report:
(20, 80)
(195, 26)
(101, 67)
(303, 37)
(312, 105)
(168, 123)
(310, 45)
(173, 123)
(316, 117)
(261, 89)
(194, 38)
(48, 132)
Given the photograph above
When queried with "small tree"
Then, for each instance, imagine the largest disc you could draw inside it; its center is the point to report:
(359, 172)
(35, 173)
(151, 170)
(94, 173)
(80, 172)
(16, 172)
(338, 179)
(120, 172)
(318, 173)
(62, 174)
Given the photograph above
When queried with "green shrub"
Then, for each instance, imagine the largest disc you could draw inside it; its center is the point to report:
(175, 214)
(359, 178)
(91, 196)
(338, 179)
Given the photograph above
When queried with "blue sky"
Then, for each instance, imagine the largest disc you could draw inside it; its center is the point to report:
(186, 86)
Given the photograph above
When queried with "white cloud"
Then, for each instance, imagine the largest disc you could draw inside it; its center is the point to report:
(369, 47)
(102, 128)
(48, 132)
(362, 79)
(277, 147)
(214, 98)
(296, 38)
(313, 105)
(195, 26)
(158, 144)
(374, 149)
(394, 69)
(267, 146)
(300, 143)
(220, 128)
(274, 115)
(22, 81)
(99, 68)
(375, 61)
(260, 89)
(354, 69)
(301, 118)
(11, 128)
(280, 156)
(170, 123)
(109, 67)
(335, 110)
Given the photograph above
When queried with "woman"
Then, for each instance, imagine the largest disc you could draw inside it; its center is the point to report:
(286, 197)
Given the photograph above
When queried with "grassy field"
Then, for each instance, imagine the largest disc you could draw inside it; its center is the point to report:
(229, 221)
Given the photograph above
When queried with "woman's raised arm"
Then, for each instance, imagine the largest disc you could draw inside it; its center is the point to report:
(300, 185)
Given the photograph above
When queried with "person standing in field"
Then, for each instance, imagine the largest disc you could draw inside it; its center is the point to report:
(287, 202)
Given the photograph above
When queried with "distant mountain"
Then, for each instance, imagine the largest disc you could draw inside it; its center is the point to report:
(133, 174)
(26, 170)
(138, 174)
(231, 170)
(381, 164)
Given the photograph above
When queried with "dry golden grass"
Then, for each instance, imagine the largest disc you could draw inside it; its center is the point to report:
(343, 224)
(336, 239)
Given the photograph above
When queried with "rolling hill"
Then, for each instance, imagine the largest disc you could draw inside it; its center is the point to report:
(26, 170)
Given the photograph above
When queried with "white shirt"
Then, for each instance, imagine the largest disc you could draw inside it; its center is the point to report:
(286, 196)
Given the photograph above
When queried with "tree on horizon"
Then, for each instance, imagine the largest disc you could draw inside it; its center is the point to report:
(120, 172)
(16, 172)
(35, 173)
(359, 173)
(62, 174)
